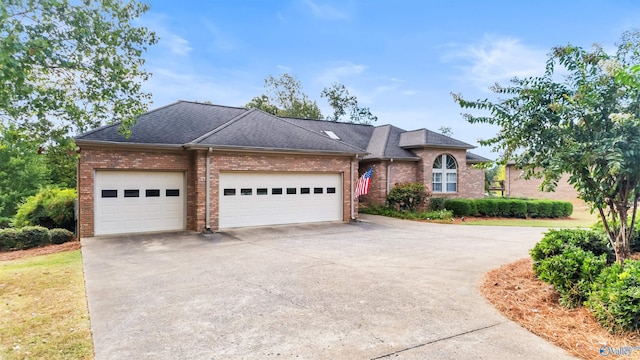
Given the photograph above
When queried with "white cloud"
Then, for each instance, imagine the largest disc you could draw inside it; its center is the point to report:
(339, 72)
(325, 11)
(177, 45)
(219, 39)
(496, 59)
(168, 39)
(284, 68)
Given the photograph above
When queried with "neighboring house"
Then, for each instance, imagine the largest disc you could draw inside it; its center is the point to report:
(207, 167)
(517, 186)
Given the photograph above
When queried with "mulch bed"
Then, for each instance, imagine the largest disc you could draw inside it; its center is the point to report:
(43, 250)
(516, 292)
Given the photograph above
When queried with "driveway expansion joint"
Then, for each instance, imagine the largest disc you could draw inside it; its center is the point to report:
(438, 340)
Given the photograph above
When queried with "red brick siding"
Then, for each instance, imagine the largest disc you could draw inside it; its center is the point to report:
(517, 186)
(92, 159)
(470, 180)
(230, 161)
(193, 163)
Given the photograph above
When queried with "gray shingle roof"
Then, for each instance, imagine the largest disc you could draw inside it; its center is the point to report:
(193, 124)
(257, 129)
(427, 138)
(475, 158)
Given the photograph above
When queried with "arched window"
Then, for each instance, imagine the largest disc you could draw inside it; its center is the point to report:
(444, 178)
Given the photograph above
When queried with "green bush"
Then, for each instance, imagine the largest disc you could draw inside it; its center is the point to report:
(436, 215)
(503, 208)
(50, 208)
(436, 204)
(615, 297)
(60, 236)
(33, 236)
(407, 195)
(571, 273)
(557, 209)
(518, 208)
(8, 239)
(459, 207)
(545, 208)
(568, 209)
(555, 242)
(5, 222)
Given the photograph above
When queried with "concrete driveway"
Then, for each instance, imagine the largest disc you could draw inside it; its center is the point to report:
(380, 288)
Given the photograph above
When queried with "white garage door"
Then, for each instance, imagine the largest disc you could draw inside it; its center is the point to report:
(254, 199)
(138, 201)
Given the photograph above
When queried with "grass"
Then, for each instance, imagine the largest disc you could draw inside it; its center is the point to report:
(581, 217)
(44, 308)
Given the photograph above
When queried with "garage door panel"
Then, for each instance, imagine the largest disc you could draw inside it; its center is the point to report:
(149, 209)
(286, 208)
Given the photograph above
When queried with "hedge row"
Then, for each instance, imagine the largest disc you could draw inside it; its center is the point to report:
(517, 208)
(32, 236)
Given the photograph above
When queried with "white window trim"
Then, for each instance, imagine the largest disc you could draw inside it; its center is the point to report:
(444, 171)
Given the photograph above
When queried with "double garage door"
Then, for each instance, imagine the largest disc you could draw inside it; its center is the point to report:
(138, 201)
(146, 201)
(255, 198)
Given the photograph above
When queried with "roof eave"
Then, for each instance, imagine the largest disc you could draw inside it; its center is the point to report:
(466, 147)
(271, 150)
(82, 142)
(388, 158)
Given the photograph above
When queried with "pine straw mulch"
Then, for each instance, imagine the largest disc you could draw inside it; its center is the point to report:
(516, 292)
(43, 250)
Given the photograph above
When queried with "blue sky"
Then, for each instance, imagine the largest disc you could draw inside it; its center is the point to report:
(402, 59)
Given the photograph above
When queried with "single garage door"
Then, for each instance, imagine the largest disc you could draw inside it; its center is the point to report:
(138, 201)
(255, 199)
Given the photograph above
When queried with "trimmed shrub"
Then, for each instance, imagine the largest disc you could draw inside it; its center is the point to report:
(518, 208)
(545, 208)
(436, 204)
(503, 208)
(459, 207)
(571, 273)
(567, 209)
(555, 242)
(557, 209)
(33, 236)
(60, 236)
(615, 297)
(8, 239)
(407, 195)
(50, 208)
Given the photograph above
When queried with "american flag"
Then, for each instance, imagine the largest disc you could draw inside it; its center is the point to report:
(362, 186)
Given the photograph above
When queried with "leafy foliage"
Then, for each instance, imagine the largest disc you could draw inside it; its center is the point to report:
(587, 125)
(555, 242)
(436, 203)
(342, 102)
(60, 236)
(408, 215)
(8, 239)
(407, 195)
(285, 97)
(32, 236)
(76, 62)
(571, 273)
(50, 208)
(22, 171)
(615, 297)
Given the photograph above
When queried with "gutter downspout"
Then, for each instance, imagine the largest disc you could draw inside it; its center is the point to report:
(389, 174)
(353, 211)
(208, 194)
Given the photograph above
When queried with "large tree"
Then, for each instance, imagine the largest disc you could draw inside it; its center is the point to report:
(285, 97)
(343, 102)
(582, 118)
(72, 65)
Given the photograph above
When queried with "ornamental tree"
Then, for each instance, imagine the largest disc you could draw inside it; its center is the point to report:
(582, 117)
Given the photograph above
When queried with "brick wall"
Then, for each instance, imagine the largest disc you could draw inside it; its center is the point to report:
(398, 172)
(470, 180)
(231, 161)
(193, 163)
(517, 186)
(92, 159)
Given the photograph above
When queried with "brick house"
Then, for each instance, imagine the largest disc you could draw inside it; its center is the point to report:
(208, 167)
(517, 186)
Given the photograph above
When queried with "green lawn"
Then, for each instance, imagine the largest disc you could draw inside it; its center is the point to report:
(581, 217)
(44, 308)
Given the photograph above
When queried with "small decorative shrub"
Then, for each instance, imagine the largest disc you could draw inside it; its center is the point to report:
(60, 236)
(503, 207)
(567, 208)
(436, 204)
(555, 242)
(5, 222)
(436, 215)
(8, 239)
(545, 208)
(518, 208)
(615, 297)
(407, 196)
(571, 273)
(459, 207)
(33, 236)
